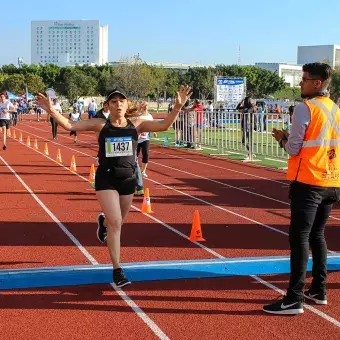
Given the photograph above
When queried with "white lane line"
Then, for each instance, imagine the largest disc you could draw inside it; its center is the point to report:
(151, 324)
(223, 168)
(207, 179)
(191, 160)
(227, 210)
(230, 186)
(219, 182)
(310, 308)
(276, 160)
(191, 174)
(267, 284)
(195, 198)
(94, 143)
(255, 277)
(186, 172)
(56, 143)
(220, 208)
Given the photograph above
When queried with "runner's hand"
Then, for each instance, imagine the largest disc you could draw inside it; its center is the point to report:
(182, 95)
(44, 102)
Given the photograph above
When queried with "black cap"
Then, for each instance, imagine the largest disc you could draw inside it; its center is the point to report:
(115, 91)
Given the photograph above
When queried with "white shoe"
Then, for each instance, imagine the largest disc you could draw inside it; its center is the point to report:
(144, 175)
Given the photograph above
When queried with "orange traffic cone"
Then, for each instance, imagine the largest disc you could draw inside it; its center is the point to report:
(92, 175)
(146, 207)
(59, 160)
(196, 231)
(14, 135)
(73, 166)
(46, 149)
(9, 133)
(36, 144)
(28, 142)
(20, 139)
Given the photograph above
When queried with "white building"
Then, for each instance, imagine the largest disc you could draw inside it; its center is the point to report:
(291, 73)
(329, 54)
(67, 43)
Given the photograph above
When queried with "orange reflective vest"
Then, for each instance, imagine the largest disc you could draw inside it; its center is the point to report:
(318, 162)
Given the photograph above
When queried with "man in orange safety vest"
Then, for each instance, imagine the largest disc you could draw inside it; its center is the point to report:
(314, 172)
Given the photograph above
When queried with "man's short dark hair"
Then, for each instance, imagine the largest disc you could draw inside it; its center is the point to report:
(320, 71)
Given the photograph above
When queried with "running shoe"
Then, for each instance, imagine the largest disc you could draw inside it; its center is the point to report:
(119, 278)
(318, 298)
(284, 306)
(101, 230)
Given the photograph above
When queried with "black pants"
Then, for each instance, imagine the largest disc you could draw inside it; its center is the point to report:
(310, 209)
(54, 127)
(145, 147)
(14, 118)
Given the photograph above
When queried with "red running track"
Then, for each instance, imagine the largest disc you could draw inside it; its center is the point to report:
(244, 212)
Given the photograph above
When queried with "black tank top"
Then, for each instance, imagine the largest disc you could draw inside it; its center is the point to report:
(117, 146)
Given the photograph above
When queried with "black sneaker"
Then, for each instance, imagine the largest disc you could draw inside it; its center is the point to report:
(4, 147)
(101, 230)
(318, 298)
(284, 307)
(119, 278)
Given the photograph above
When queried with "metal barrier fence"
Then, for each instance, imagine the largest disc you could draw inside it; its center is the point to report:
(231, 131)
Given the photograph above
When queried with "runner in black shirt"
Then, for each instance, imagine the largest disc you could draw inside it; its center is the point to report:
(115, 177)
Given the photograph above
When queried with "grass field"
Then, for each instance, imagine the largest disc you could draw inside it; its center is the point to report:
(265, 149)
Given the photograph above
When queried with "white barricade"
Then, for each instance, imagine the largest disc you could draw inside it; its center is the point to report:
(231, 131)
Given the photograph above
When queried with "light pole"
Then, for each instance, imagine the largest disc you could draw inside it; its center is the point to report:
(20, 61)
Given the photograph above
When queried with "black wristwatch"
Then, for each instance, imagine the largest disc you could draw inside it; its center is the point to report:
(281, 140)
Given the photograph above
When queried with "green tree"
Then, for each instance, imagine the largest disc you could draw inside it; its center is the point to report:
(335, 85)
(106, 81)
(34, 83)
(291, 93)
(3, 76)
(134, 76)
(159, 83)
(10, 69)
(78, 84)
(30, 69)
(14, 83)
(50, 74)
(202, 81)
(260, 82)
(172, 83)
(89, 70)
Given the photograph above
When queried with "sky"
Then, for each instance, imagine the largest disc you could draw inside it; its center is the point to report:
(179, 31)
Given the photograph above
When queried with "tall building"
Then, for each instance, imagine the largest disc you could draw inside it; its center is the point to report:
(67, 43)
(291, 73)
(329, 54)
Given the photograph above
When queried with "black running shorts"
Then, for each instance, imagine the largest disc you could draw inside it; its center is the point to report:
(4, 122)
(122, 180)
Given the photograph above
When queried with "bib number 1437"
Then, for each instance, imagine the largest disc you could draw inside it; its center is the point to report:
(118, 146)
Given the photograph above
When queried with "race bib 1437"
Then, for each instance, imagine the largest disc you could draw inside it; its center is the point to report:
(118, 146)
